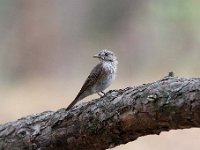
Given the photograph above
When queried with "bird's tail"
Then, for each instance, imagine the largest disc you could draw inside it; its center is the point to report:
(78, 98)
(72, 104)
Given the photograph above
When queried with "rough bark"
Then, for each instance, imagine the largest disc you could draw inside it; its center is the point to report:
(119, 117)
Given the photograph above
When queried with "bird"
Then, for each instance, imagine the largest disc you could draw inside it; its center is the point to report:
(101, 76)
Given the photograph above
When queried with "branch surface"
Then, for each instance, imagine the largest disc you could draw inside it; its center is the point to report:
(119, 117)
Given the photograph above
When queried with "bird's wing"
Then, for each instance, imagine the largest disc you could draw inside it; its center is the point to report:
(98, 73)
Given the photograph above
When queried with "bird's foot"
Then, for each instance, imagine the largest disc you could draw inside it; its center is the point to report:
(101, 93)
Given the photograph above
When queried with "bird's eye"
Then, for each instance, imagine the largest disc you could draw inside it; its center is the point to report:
(106, 54)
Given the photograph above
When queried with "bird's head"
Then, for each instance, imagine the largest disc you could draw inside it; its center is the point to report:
(105, 55)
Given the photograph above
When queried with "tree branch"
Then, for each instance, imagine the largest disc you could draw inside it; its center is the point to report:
(119, 117)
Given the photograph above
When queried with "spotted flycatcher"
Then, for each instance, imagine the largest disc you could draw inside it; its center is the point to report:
(100, 77)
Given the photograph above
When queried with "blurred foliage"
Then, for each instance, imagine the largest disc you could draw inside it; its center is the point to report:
(42, 37)
(106, 16)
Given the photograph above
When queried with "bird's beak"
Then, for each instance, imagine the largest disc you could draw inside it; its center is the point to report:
(96, 56)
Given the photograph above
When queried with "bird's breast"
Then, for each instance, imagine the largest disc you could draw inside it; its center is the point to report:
(107, 77)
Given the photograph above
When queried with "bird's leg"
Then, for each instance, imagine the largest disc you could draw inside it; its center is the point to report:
(99, 94)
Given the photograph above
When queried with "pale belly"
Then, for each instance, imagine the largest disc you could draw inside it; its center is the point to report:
(110, 76)
(105, 83)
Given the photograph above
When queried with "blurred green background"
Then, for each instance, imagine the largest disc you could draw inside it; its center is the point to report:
(46, 50)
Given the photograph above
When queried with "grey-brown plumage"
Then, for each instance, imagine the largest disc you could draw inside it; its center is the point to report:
(100, 77)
